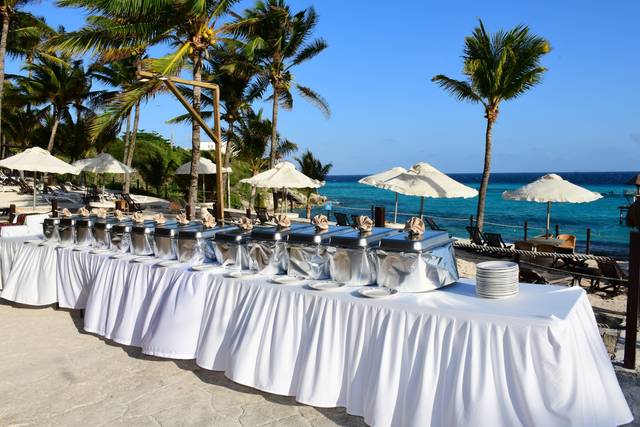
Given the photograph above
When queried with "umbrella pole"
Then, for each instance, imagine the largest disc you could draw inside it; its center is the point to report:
(548, 219)
(34, 189)
(421, 206)
(395, 212)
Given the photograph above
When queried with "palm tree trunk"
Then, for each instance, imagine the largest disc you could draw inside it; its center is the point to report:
(195, 136)
(274, 139)
(309, 205)
(3, 52)
(132, 145)
(54, 130)
(484, 183)
(227, 156)
(127, 133)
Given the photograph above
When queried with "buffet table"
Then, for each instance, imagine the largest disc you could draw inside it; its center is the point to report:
(444, 358)
(9, 247)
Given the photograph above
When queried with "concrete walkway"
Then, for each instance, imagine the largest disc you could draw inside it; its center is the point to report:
(53, 374)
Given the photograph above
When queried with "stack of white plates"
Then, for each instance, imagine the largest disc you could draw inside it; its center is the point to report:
(497, 279)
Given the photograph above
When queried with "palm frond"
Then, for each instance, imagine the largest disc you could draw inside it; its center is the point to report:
(459, 89)
(315, 99)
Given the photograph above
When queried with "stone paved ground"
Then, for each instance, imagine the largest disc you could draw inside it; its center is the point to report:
(50, 374)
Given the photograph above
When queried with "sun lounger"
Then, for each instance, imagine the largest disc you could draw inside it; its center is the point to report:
(476, 236)
(342, 219)
(133, 205)
(611, 273)
(432, 224)
(263, 216)
(495, 240)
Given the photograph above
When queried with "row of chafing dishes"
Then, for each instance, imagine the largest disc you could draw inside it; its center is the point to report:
(385, 256)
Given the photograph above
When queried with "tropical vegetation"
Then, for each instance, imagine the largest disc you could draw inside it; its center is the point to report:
(498, 67)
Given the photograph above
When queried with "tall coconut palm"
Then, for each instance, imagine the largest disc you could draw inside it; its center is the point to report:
(190, 27)
(313, 168)
(279, 39)
(498, 67)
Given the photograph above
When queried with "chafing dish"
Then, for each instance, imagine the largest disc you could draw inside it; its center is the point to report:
(50, 229)
(231, 248)
(416, 264)
(84, 230)
(352, 260)
(102, 232)
(196, 244)
(121, 236)
(142, 238)
(308, 254)
(268, 248)
(165, 238)
(67, 229)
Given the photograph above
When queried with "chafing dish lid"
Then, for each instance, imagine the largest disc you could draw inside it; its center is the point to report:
(405, 243)
(85, 221)
(105, 223)
(312, 235)
(356, 239)
(68, 220)
(199, 232)
(145, 227)
(122, 227)
(52, 221)
(276, 233)
(234, 235)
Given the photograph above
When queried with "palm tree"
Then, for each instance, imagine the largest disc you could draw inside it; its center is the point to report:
(498, 67)
(313, 168)
(189, 26)
(20, 33)
(279, 39)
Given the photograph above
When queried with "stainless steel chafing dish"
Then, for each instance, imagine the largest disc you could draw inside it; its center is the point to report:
(67, 229)
(165, 238)
(352, 260)
(121, 236)
(231, 248)
(50, 229)
(84, 230)
(308, 254)
(268, 248)
(416, 264)
(102, 232)
(142, 238)
(196, 244)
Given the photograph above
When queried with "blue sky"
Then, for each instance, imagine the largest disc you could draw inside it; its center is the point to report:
(376, 73)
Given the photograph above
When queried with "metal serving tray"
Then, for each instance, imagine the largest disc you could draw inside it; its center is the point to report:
(165, 236)
(268, 248)
(308, 254)
(67, 229)
(84, 230)
(274, 233)
(416, 264)
(142, 238)
(352, 259)
(50, 229)
(121, 236)
(196, 244)
(231, 248)
(102, 232)
(358, 239)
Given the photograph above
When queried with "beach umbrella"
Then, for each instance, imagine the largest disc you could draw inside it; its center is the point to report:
(205, 167)
(36, 159)
(103, 163)
(284, 175)
(377, 179)
(423, 180)
(551, 188)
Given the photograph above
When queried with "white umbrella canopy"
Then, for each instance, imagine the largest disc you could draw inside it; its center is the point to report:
(283, 175)
(551, 188)
(103, 163)
(36, 159)
(424, 180)
(377, 179)
(205, 167)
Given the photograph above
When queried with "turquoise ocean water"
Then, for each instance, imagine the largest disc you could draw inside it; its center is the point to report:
(503, 216)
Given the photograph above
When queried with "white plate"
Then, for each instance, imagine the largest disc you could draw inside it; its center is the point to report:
(168, 263)
(287, 280)
(376, 291)
(240, 274)
(497, 296)
(144, 259)
(325, 285)
(204, 267)
(497, 265)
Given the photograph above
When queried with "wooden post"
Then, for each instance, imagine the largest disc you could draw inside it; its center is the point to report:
(12, 212)
(631, 331)
(557, 230)
(588, 248)
(54, 208)
(138, 184)
(471, 221)
(526, 230)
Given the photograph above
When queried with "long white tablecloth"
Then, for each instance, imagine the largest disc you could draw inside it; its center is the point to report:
(441, 358)
(9, 247)
(32, 276)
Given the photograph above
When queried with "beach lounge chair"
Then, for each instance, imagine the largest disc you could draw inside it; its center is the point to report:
(610, 272)
(354, 220)
(133, 206)
(263, 215)
(495, 240)
(432, 225)
(476, 236)
(342, 219)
